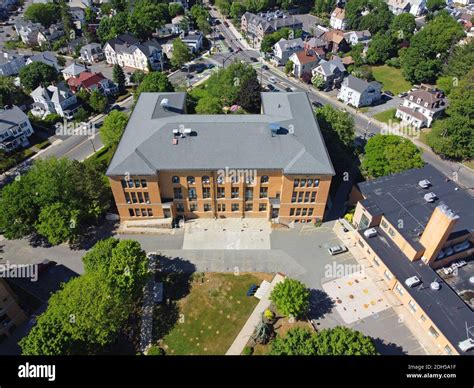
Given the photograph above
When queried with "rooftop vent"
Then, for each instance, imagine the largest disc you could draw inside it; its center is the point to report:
(274, 127)
(435, 286)
(165, 103)
(430, 197)
(187, 131)
(424, 184)
(176, 131)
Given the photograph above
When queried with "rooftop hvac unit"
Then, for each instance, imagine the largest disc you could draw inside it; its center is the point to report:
(187, 131)
(165, 103)
(430, 197)
(424, 184)
(175, 131)
(435, 286)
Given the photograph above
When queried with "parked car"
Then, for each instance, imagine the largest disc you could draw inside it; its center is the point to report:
(389, 93)
(253, 59)
(226, 24)
(466, 345)
(238, 50)
(288, 89)
(265, 67)
(336, 249)
(413, 281)
(272, 80)
(270, 87)
(231, 49)
(462, 246)
(370, 232)
(401, 95)
(316, 104)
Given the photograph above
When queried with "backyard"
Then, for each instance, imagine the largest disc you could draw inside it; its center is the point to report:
(391, 78)
(209, 315)
(387, 116)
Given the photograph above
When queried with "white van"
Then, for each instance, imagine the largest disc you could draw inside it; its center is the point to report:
(413, 281)
(370, 232)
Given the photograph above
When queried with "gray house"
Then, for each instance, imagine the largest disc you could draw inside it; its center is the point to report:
(92, 53)
(46, 57)
(15, 128)
(358, 92)
(284, 48)
(11, 63)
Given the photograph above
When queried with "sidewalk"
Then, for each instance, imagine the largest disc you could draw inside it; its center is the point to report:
(243, 337)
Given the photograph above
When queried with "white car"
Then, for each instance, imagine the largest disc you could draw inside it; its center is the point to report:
(413, 281)
(272, 80)
(370, 232)
(466, 345)
(336, 249)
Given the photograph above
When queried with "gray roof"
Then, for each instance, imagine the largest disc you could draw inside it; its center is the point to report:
(219, 141)
(399, 197)
(8, 56)
(289, 44)
(46, 57)
(359, 85)
(75, 69)
(11, 117)
(127, 43)
(274, 23)
(329, 67)
(444, 307)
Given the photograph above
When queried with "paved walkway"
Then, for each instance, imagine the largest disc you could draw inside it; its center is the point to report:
(243, 337)
(146, 329)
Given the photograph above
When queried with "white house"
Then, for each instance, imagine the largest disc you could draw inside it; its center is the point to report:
(15, 128)
(92, 53)
(356, 37)
(399, 6)
(127, 51)
(338, 19)
(54, 99)
(73, 70)
(284, 48)
(11, 63)
(192, 40)
(358, 92)
(303, 62)
(421, 107)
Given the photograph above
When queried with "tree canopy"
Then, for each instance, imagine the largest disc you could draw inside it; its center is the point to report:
(383, 47)
(45, 14)
(112, 129)
(338, 123)
(154, 82)
(181, 53)
(35, 74)
(372, 15)
(291, 298)
(390, 154)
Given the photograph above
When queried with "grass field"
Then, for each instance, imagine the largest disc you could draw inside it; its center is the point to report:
(211, 314)
(386, 116)
(391, 78)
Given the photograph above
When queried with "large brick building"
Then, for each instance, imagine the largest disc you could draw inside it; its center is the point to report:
(272, 165)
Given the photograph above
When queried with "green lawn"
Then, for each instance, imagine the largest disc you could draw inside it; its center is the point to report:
(391, 78)
(386, 116)
(211, 315)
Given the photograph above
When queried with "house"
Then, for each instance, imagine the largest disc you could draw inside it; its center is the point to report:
(15, 128)
(421, 107)
(175, 160)
(192, 40)
(255, 27)
(418, 7)
(73, 70)
(46, 36)
(284, 48)
(399, 6)
(27, 31)
(46, 57)
(356, 37)
(336, 41)
(92, 81)
(316, 44)
(92, 53)
(11, 63)
(54, 99)
(358, 92)
(127, 51)
(78, 16)
(303, 62)
(332, 72)
(338, 19)
(436, 230)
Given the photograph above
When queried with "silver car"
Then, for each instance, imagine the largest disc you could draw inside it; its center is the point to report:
(336, 249)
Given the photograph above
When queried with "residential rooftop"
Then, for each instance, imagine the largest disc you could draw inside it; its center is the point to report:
(400, 197)
(444, 306)
(248, 141)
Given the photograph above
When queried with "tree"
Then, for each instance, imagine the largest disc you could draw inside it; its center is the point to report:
(175, 9)
(10, 94)
(289, 67)
(57, 223)
(209, 105)
(223, 6)
(291, 298)
(146, 17)
(435, 5)
(378, 17)
(461, 61)
(97, 259)
(382, 47)
(296, 342)
(318, 81)
(45, 14)
(249, 97)
(357, 54)
(454, 136)
(97, 101)
(112, 129)
(422, 61)
(323, 8)
(110, 27)
(343, 341)
(403, 26)
(390, 154)
(340, 124)
(154, 82)
(36, 73)
(181, 53)
(118, 77)
(53, 190)
(237, 9)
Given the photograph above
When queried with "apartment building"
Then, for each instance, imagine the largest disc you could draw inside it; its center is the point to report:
(255, 27)
(11, 314)
(272, 165)
(411, 224)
